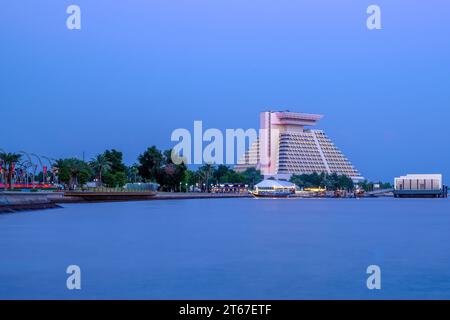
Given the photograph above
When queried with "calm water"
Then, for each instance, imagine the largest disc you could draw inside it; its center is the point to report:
(229, 248)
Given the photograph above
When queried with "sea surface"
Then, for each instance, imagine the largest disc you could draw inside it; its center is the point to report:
(229, 249)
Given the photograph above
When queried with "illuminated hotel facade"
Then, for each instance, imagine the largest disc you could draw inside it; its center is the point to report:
(285, 147)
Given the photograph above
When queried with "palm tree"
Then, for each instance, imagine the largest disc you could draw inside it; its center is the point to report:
(132, 173)
(9, 161)
(100, 164)
(72, 170)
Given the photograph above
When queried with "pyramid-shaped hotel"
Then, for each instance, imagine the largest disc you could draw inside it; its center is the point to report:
(286, 147)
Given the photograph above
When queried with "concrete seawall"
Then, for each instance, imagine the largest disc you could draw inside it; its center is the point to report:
(198, 195)
(11, 201)
(71, 198)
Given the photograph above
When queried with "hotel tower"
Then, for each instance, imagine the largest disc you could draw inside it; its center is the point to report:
(286, 147)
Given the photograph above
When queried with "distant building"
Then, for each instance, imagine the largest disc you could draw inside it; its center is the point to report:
(420, 185)
(285, 147)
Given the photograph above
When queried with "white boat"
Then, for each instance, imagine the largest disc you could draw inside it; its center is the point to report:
(274, 189)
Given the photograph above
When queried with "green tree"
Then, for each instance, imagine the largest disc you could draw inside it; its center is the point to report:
(73, 172)
(171, 175)
(331, 181)
(369, 186)
(9, 160)
(100, 165)
(191, 177)
(252, 176)
(345, 182)
(116, 159)
(118, 179)
(186, 179)
(150, 164)
(385, 185)
(307, 180)
(204, 173)
(233, 177)
(132, 174)
(220, 172)
(364, 185)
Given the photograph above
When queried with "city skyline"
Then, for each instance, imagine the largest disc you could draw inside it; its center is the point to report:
(134, 73)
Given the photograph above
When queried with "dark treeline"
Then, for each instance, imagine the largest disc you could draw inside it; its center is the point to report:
(106, 169)
(334, 182)
(329, 181)
(370, 186)
(153, 165)
(156, 166)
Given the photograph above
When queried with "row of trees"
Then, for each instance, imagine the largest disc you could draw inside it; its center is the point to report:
(334, 182)
(153, 165)
(7, 167)
(158, 166)
(370, 186)
(108, 169)
(329, 181)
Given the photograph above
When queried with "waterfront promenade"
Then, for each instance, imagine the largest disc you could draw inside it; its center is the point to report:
(198, 195)
(11, 201)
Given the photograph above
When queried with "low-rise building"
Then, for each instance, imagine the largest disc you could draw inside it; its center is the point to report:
(420, 186)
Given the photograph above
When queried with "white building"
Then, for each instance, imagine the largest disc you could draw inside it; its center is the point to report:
(286, 147)
(418, 182)
(420, 186)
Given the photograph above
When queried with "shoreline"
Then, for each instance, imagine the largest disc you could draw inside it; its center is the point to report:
(198, 195)
(11, 201)
(158, 196)
(27, 207)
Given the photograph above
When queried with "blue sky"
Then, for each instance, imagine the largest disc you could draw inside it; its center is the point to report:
(139, 69)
